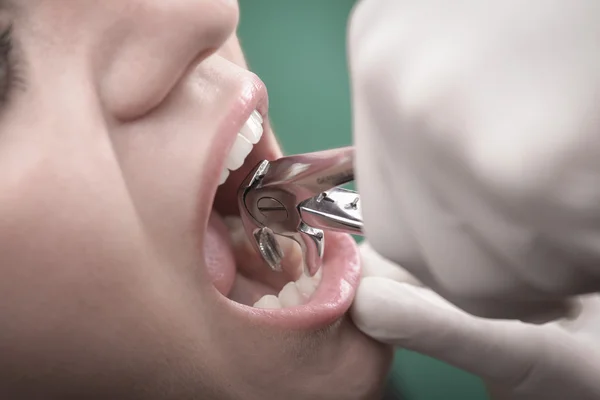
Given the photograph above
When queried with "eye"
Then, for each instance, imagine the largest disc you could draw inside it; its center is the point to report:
(7, 67)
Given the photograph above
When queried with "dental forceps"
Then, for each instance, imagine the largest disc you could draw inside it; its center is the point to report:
(299, 197)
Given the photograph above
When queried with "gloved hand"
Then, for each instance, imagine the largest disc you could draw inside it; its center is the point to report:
(559, 360)
(477, 132)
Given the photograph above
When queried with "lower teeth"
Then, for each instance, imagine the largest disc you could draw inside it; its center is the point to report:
(294, 293)
(268, 301)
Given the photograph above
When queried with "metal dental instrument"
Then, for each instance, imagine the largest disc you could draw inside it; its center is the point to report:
(298, 197)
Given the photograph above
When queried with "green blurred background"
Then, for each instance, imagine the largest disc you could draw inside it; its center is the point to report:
(298, 48)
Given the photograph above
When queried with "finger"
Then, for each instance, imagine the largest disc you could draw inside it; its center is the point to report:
(373, 264)
(509, 353)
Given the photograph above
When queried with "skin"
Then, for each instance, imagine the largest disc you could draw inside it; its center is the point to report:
(104, 138)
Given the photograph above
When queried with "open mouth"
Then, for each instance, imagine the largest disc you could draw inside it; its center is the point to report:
(289, 297)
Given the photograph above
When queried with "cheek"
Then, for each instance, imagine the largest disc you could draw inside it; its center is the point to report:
(80, 285)
(67, 232)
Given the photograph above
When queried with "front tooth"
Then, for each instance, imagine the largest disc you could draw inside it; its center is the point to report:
(239, 151)
(257, 116)
(224, 176)
(306, 286)
(290, 296)
(268, 301)
(252, 129)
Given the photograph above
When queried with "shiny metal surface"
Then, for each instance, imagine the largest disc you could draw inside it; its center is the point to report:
(297, 197)
(336, 210)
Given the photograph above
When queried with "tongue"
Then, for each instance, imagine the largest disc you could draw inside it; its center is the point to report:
(218, 254)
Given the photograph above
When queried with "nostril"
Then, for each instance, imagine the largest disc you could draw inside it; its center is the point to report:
(153, 46)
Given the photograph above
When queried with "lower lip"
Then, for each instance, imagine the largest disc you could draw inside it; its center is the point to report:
(331, 300)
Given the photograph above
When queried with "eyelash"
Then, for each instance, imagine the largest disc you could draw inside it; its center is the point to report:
(12, 77)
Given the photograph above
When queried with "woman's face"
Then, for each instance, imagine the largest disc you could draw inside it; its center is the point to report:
(118, 276)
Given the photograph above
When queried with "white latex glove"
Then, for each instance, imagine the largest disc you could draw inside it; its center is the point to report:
(477, 128)
(559, 360)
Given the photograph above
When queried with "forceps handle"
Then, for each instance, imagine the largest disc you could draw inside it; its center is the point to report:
(316, 177)
(312, 173)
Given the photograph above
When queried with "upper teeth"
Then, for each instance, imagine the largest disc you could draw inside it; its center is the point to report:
(248, 136)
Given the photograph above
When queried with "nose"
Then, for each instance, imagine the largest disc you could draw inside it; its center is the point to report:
(158, 42)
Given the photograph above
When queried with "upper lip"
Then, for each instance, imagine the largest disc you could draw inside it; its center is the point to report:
(252, 96)
(341, 264)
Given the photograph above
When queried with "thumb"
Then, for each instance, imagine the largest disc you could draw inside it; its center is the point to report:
(508, 353)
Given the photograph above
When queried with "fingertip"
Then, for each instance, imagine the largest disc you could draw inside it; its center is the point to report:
(388, 311)
(399, 313)
(369, 308)
(367, 298)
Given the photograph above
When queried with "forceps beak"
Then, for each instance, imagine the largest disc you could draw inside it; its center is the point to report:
(297, 197)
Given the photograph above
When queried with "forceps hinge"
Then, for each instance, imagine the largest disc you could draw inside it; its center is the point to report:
(337, 209)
